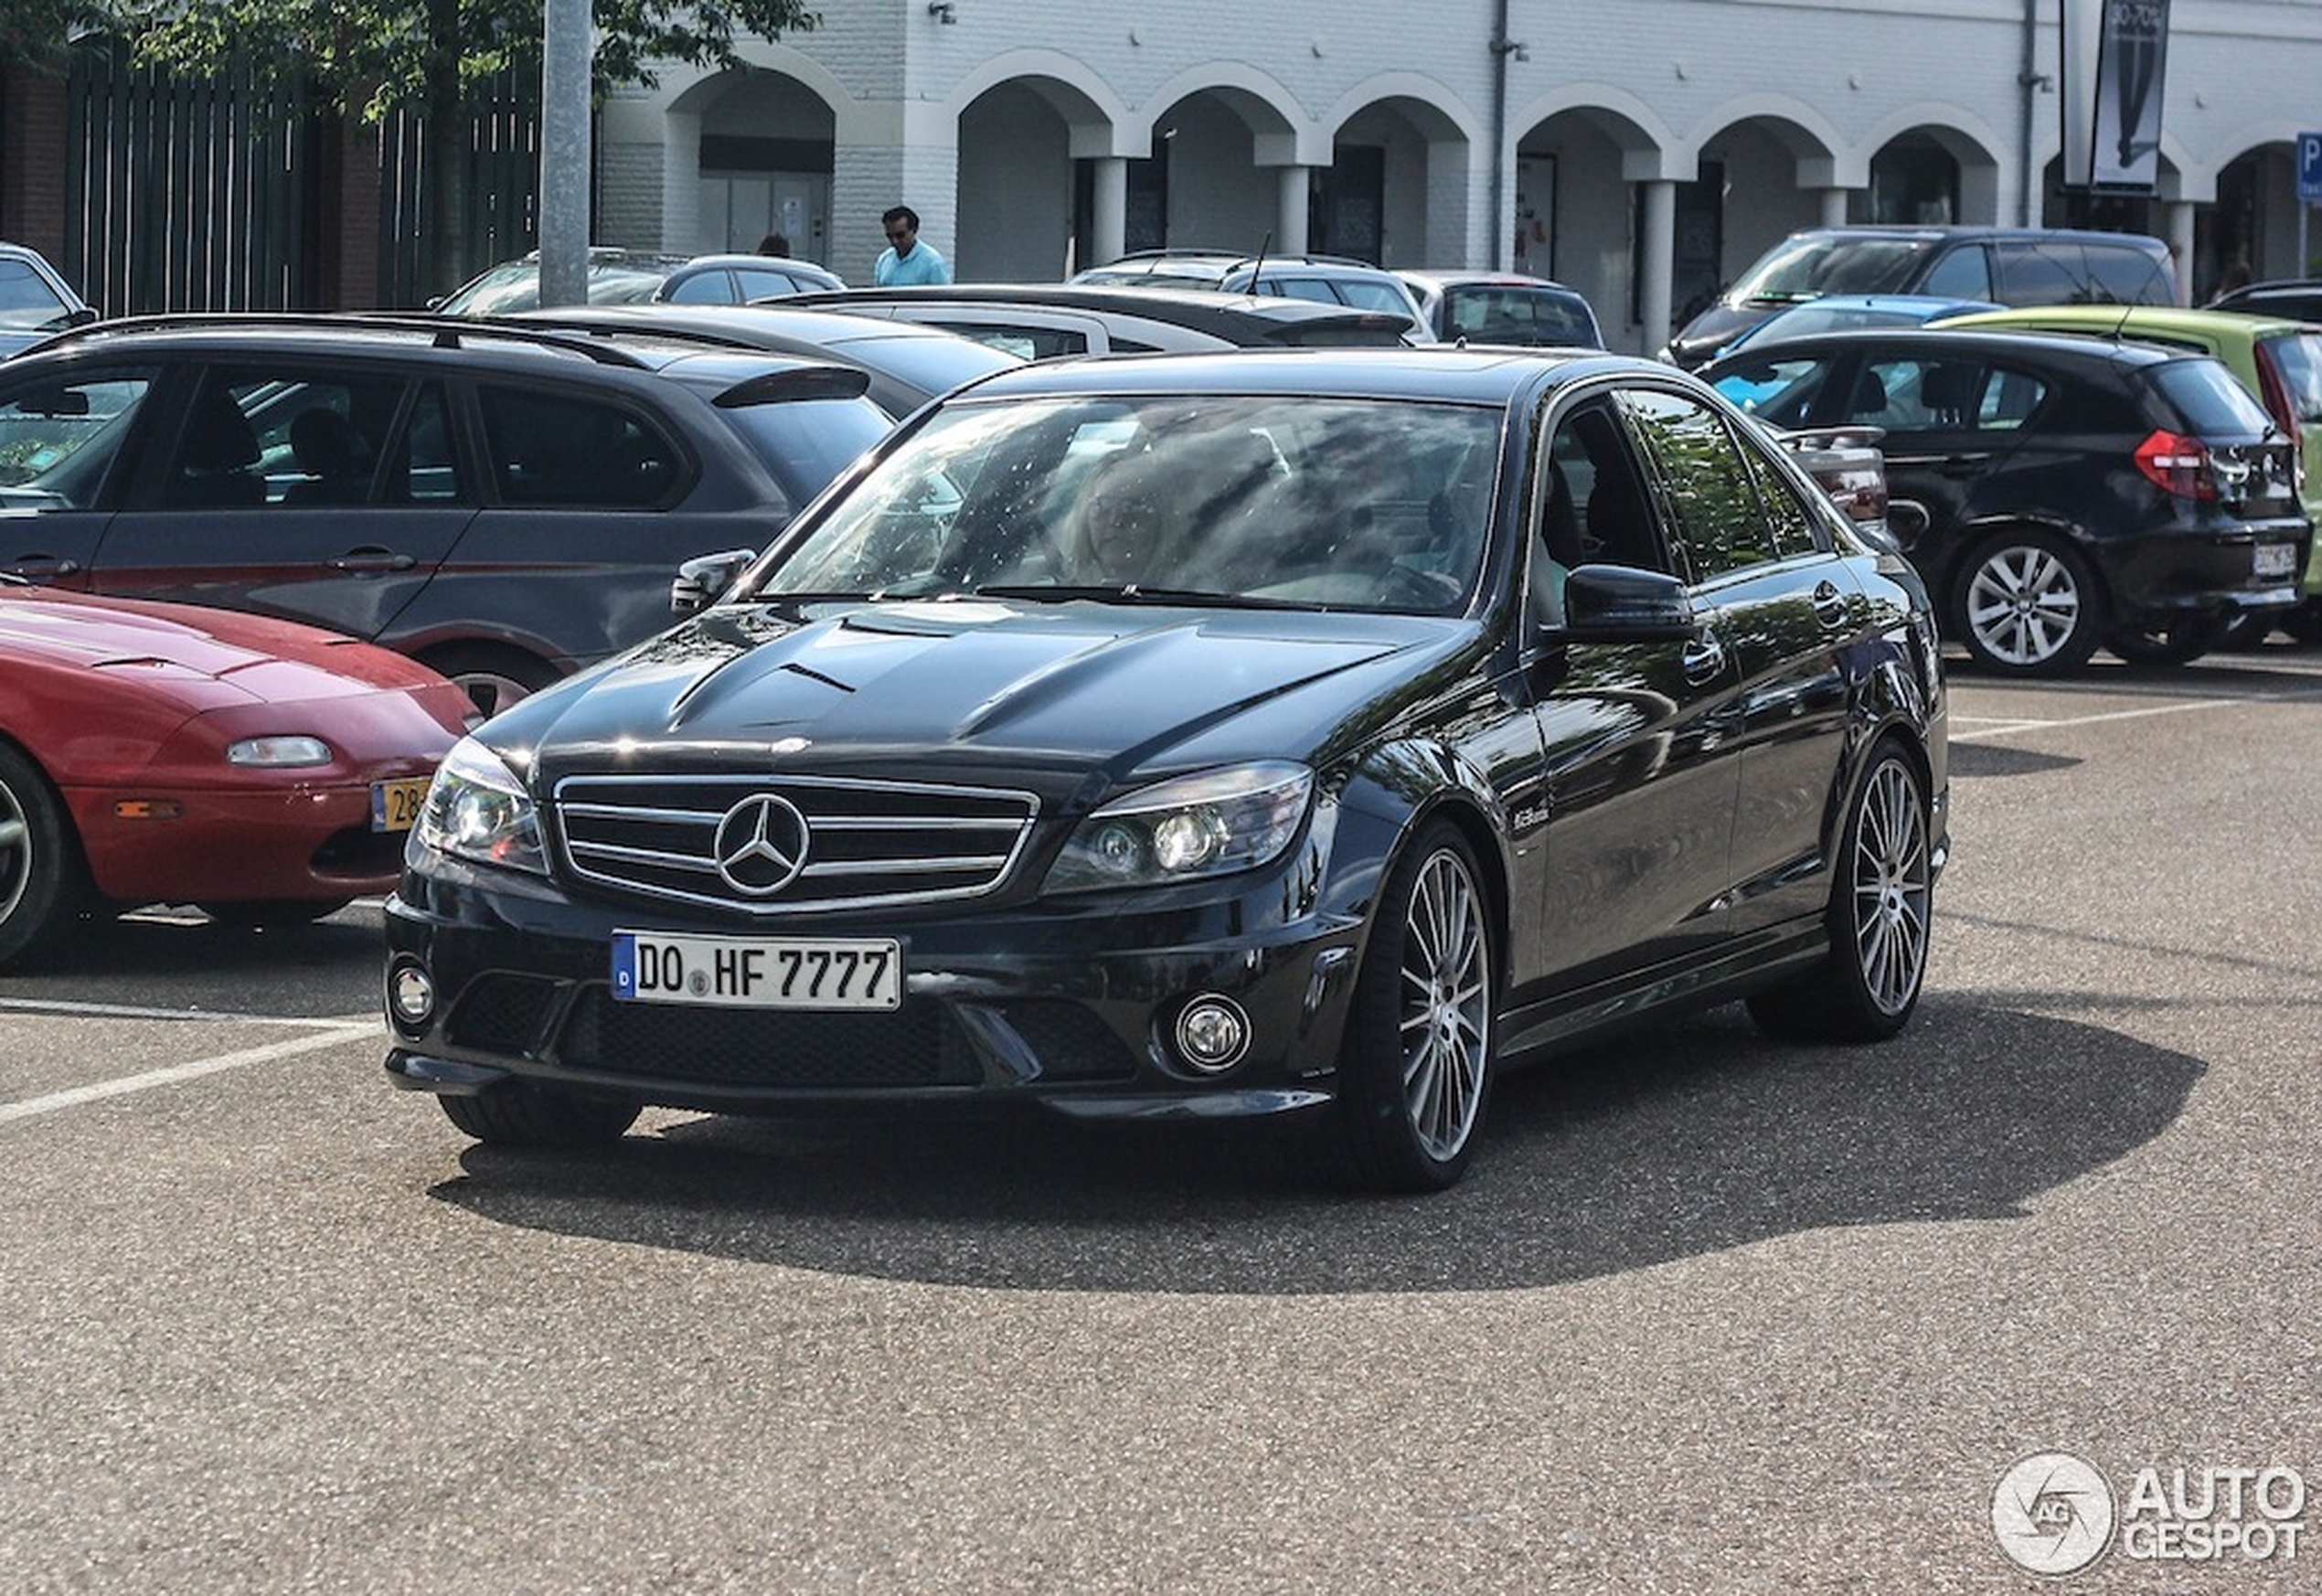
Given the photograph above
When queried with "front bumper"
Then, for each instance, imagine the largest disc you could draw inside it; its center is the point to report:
(1074, 1007)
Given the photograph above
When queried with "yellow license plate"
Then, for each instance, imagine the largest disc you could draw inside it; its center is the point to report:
(395, 805)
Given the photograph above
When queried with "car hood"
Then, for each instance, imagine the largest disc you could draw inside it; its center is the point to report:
(1716, 327)
(208, 658)
(1045, 694)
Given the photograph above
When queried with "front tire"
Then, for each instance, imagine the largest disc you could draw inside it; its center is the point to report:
(44, 884)
(2028, 603)
(1416, 1071)
(520, 1115)
(1881, 897)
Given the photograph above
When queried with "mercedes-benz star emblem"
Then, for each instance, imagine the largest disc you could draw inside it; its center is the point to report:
(762, 845)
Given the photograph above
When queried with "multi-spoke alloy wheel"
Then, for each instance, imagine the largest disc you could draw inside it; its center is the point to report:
(2027, 602)
(1882, 898)
(1417, 1071)
(1890, 888)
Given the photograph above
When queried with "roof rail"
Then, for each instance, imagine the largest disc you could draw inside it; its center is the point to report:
(444, 332)
(643, 327)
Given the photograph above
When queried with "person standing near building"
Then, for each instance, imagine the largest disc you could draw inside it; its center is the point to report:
(906, 263)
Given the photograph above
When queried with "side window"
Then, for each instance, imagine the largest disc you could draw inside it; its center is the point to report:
(319, 440)
(58, 438)
(556, 450)
(1720, 525)
(2038, 274)
(750, 282)
(1915, 394)
(2008, 399)
(422, 468)
(2124, 276)
(1962, 271)
(1781, 391)
(216, 460)
(1591, 510)
(1031, 343)
(1788, 522)
(708, 288)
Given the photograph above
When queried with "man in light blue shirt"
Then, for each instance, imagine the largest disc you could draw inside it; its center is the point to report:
(906, 263)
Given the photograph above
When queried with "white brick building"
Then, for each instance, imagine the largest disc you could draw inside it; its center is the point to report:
(1640, 150)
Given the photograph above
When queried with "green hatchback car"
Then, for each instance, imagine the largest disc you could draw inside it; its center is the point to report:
(2275, 357)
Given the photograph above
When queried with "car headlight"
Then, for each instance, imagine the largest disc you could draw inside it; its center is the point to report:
(281, 752)
(1209, 824)
(476, 809)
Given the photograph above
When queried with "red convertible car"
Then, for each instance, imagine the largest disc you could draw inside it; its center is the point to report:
(160, 753)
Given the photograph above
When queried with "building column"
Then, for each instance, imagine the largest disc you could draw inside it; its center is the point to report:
(1657, 263)
(1834, 207)
(2181, 246)
(1109, 217)
(1290, 222)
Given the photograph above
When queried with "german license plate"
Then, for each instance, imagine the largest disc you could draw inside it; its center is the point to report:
(2275, 559)
(395, 805)
(757, 972)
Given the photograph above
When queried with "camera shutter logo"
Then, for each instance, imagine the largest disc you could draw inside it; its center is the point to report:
(760, 844)
(2053, 1513)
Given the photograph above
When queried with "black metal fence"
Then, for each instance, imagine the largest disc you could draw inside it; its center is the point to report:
(223, 194)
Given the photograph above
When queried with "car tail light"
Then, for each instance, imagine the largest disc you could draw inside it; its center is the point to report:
(2275, 393)
(2177, 465)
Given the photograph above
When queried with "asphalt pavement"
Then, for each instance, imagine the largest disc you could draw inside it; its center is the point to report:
(1709, 1314)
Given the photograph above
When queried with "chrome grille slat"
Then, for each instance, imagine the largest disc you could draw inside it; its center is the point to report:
(871, 843)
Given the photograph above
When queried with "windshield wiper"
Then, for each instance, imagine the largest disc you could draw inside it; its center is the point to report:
(1134, 593)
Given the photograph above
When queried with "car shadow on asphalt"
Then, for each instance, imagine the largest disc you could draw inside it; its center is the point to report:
(1685, 1139)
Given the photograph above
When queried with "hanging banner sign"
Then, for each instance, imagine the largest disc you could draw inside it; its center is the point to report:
(2109, 90)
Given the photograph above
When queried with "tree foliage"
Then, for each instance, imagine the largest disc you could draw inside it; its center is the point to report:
(376, 55)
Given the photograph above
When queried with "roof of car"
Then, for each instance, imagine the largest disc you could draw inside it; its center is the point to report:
(2130, 319)
(1189, 307)
(1930, 232)
(2067, 347)
(1434, 372)
(1467, 276)
(468, 341)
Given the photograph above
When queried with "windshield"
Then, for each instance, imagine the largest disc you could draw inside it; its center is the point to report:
(1805, 268)
(1325, 503)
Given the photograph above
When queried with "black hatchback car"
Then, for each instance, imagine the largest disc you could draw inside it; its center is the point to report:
(1254, 734)
(2077, 493)
(503, 504)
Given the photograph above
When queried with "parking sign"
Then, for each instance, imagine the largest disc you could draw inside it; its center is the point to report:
(2310, 169)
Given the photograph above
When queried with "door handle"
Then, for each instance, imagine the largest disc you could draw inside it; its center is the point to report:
(1703, 658)
(1830, 604)
(368, 559)
(41, 568)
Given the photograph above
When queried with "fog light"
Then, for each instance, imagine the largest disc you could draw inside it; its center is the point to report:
(1212, 1034)
(410, 995)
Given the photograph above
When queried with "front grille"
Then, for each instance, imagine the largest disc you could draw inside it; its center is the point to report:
(916, 1045)
(864, 844)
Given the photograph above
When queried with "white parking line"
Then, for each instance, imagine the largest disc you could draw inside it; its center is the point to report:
(2004, 728)
(135, 1011)
(175, 1074)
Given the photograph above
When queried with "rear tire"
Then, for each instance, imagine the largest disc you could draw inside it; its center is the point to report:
(44, 883)
(520, 1115)
(1415, 1071)
(1881, 896)
(2028, 603)
(2179, 640)
(493, 678)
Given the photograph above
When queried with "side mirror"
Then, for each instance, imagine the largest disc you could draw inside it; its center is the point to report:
(1619, 603)
(703, 580)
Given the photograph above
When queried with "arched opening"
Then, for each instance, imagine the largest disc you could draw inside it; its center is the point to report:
(764, 167)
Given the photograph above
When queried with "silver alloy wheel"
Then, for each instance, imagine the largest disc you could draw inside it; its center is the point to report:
(16, 852)
(1445, 1015)
(491, 691)
(2024, 604)
(1890, 888)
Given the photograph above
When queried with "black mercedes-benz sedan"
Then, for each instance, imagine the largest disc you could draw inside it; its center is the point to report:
(1303, 732)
